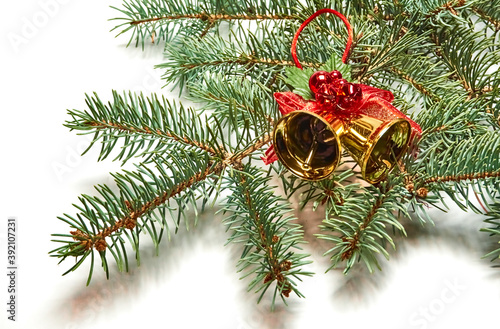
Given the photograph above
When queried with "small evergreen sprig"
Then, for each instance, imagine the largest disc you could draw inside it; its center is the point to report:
(262, 221)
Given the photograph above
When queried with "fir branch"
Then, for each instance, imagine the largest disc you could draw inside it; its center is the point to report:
(103, 221)
(212, 18)
(353, 241)
(493, 229)
(260, 219)
(488, 11)
(168, 19)
(358, 229)
(147, 131)
(259, 57)
(111, 215)
(129, 220)
(147, 126)
(450, 6)
(393, 41)
(252, 99)
(208, 27)
(470, 162)
(186, 64)
(461, 177)
(451, 120)
(417, 85)
(246, 60)
(490, 19)
(470, 57)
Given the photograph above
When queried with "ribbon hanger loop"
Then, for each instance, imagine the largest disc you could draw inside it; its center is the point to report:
(307, 21)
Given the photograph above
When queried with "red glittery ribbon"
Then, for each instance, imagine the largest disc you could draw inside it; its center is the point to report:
(375, 102)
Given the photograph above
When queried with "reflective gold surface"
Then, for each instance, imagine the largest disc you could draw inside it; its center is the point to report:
(376, 145)
(307, 144)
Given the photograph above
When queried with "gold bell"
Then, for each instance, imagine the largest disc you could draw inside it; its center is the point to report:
(375, 144)
(307, 144)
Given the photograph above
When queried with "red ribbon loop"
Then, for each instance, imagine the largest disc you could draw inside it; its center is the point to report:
(307, 21)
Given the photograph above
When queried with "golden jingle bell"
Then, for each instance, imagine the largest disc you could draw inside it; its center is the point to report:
(308, 144)
(375, 144)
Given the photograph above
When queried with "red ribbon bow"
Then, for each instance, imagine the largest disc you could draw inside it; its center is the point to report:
(374, 102)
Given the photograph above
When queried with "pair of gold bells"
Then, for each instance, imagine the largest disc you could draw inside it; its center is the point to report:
(310, 144)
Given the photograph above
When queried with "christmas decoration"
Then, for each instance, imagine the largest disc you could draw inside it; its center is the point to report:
(374, 133)
(438, 62)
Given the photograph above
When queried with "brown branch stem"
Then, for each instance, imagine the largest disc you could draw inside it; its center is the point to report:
(129, 221)
(215, 17)
(248, 60)
(485, 16)
(462, 177)
(416, 84)
(361, 75)
(237, 157)
(147, 131)
(276, 266)
(449, 6)
(206, 29)
(354, 240)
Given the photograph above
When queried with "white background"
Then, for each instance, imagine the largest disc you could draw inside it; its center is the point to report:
(52, 53)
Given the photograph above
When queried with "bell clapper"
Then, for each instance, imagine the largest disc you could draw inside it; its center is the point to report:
(306, 165)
